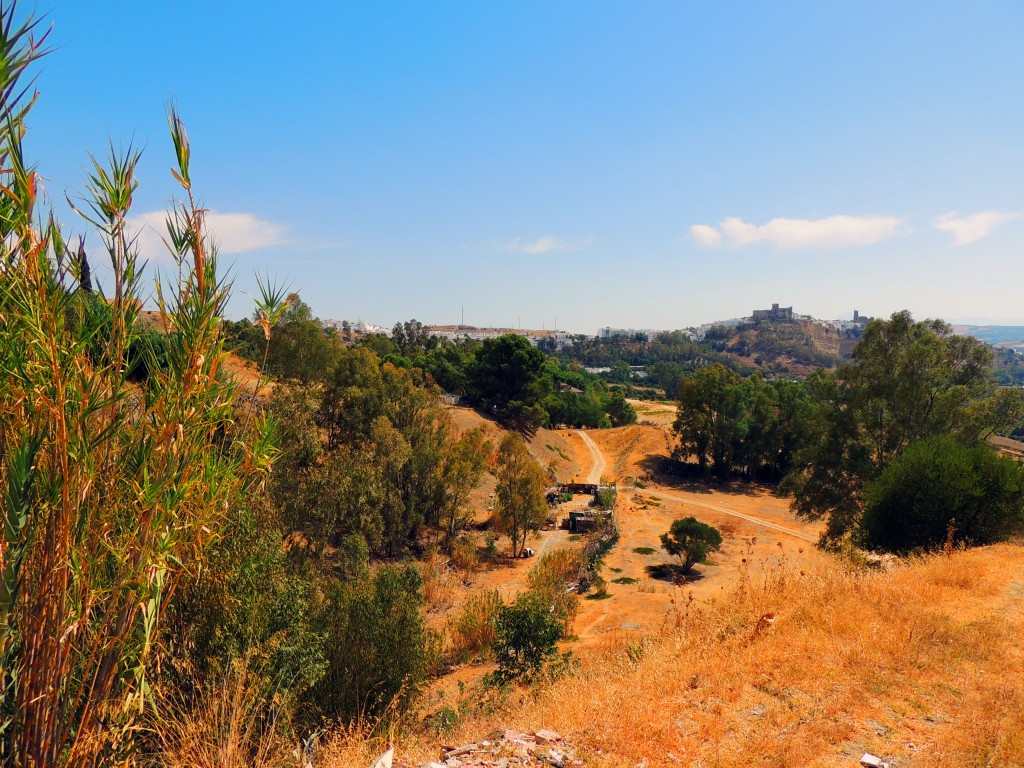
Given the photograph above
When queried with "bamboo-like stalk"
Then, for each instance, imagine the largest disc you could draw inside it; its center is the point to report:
(111, 488)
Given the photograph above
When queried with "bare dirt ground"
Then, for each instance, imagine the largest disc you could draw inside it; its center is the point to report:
(758, 529)
(245, 375)
(659, 414)
(1007, 446)
(759, 532)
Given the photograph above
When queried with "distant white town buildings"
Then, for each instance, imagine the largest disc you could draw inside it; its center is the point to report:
(457, 332)
(611, 333)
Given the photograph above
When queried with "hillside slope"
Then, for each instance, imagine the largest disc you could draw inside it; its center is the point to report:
(794, 347)
(810, 667)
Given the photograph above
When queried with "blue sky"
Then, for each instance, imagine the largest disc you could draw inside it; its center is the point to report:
(627, 164)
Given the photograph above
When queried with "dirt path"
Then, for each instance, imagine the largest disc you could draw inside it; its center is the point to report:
(743, 516)
(599, 462)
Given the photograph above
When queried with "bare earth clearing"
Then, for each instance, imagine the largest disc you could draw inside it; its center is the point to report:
(773, 654)
(758, 529)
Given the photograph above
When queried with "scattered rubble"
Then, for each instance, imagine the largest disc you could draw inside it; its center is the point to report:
(507, 749)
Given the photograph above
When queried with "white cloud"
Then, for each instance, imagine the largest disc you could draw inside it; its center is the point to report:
(829, 233)
(968, 229)
(707, 236)
(233, 232)
(547, 244)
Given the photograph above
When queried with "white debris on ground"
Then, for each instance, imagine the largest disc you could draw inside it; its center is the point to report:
(506, 749)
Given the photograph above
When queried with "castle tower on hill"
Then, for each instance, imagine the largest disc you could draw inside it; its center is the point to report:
(775, 313)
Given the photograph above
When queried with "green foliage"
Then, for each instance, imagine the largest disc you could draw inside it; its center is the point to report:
(376, 646)
(577, 409)
(939, 486)
(372, 453)
(248, 604)
(521, 506)
(507, 376)
(691, 541)
(301, 348)
(526, 638)
(462, 465)
(907, 381)
(127, 486)
(605, 498)
(667, 357)
(620, 412)
(148, 355)
(733, 424)
(747, 425)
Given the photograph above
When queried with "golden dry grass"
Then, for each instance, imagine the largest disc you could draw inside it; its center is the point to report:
(921, 663)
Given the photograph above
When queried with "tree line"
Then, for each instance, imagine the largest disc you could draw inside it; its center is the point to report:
(506, 376)
(853, 445)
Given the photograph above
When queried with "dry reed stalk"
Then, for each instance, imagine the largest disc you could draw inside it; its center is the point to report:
(110, 489)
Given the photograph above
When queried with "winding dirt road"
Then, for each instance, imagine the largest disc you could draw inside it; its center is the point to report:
(599, 463)
(742, 515)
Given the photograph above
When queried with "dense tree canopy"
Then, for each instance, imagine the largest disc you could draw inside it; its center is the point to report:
(732, 424)
(507, 376)
(941, 490)
(907, 381)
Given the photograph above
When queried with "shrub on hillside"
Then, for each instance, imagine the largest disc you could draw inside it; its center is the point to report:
(376, 646)
(526, 634)
(473, 631)
(939, 486)
(691, 541)
(550, 578)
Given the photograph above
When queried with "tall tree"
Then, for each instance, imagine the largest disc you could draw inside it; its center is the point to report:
(521, 504)
(907, 381)
(709, 422)
(464, 462)
(508, 375)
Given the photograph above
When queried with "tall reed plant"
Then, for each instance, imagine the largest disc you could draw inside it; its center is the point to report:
(111, 489)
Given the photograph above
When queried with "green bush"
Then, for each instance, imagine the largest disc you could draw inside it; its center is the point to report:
(691, 541)
(940, 486)
(247, 604)
(605, 498)
(526, 638)
(376, 646)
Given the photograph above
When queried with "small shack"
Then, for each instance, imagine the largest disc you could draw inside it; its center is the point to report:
(586, 521)
(586, 488)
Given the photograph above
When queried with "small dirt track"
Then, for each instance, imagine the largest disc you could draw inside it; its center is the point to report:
(599, 463)
(741, 515)
(599, 467)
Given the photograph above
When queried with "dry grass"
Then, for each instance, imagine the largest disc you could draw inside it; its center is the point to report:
(471, 633)
(920, 663)
(225, 729)
(438, 583)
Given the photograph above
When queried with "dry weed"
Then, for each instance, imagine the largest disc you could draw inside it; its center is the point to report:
(811, 668)
(225, 729)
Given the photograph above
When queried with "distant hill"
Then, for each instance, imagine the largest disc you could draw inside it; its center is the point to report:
(1006, 336)
(784, 347)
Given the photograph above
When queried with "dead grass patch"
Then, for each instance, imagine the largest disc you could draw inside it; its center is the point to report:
(919, 663)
